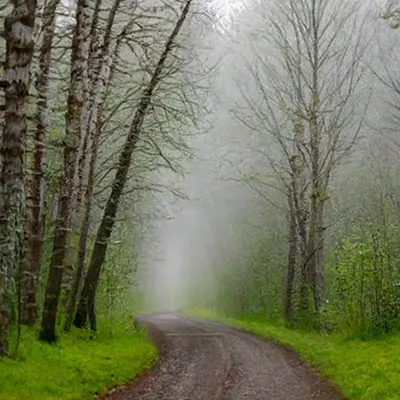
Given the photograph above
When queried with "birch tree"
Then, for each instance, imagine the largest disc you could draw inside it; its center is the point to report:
(76, 102)
(107, 60)
(87, 301)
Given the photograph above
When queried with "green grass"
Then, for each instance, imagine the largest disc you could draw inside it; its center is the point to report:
(77, 367)
(364, 370)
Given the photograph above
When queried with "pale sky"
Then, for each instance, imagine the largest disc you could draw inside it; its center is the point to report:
(227, 8)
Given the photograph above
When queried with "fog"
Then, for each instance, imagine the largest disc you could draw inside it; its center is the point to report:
(197, 235)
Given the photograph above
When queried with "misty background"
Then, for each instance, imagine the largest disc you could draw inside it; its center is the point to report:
(228, 208)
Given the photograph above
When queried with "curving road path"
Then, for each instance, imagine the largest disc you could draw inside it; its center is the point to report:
(202, 360)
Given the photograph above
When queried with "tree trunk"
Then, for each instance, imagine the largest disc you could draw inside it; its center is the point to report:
(81, 167)
(73, 295)
(34, 227)
(320, 254)
(301, 216)
(316, 179)
(313, 239)
(312, 249)
(19, 50)
(316, 251)
(299, 189)
(86, 304)
(2, 108)
(303, 261)
(94, 131)
(314, 245)
(76, 100)
(292, 259)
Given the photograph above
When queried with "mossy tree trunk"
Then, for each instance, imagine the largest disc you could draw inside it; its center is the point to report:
(34, 226)
(75, 109)
(19, 50)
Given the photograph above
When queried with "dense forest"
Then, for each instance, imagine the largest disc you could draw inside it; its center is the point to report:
(95, 93)
(317, 100)
(176, 153)
(295, 215)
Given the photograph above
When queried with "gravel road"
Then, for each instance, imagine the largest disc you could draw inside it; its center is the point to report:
(202, 360)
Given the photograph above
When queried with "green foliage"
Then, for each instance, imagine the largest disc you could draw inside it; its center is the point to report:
(393, 16)
(365, 298)
(252, 280)
(77, 367)
(364, 370)
(80, 365)
(116, 297)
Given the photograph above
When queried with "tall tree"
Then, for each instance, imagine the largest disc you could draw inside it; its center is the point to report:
(307, 104)
(94, 59)
(34, 228)
(99, 85)
(19, 51)
(87, 301)
(76, 102)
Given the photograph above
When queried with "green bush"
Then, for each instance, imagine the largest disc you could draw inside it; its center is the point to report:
(365, 295)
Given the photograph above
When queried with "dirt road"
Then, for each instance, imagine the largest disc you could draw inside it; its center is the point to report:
(201, 360)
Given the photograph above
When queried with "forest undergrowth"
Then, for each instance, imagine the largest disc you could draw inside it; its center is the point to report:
(78, 366)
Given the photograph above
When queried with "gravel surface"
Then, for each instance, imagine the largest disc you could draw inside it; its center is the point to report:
(202, 360)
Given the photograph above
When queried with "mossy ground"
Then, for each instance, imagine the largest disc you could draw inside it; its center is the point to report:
(77, 367)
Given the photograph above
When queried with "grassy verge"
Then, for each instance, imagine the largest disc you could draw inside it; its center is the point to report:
(77, 367)
(364, 370)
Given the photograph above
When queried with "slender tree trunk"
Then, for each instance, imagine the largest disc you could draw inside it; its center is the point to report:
(303, 261)
(19, 50)
(86, 304)
(312, 248)
(2, 108)
(73, 296)
(81, 166)
(315, 140)
(292, 259)
(320, 255)
(30, 266)
(94, 125)
(314, 236)
(76, 99)
(299, 188)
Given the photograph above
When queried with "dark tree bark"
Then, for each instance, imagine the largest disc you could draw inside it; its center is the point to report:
(292, 259)
(19, 50)
(314, 211)
(34, 227)
(316, 178)
(86, 304)
(76, 99)
(302, 222)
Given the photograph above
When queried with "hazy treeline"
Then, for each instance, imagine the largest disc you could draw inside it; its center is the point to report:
(316, 121)
(293, 209)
